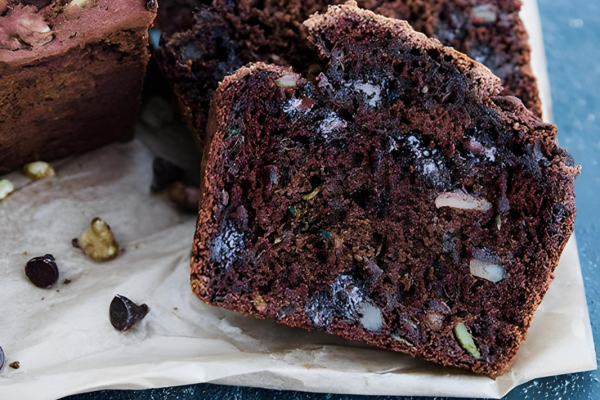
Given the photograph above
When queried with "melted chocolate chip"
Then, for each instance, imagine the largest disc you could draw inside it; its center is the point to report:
(42, 271)
(151, 5)
(124, 313)
(39, 4)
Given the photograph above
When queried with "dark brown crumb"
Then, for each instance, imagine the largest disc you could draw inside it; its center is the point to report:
(67, 281)
(215, 38)
(15, 365)
(364, 199)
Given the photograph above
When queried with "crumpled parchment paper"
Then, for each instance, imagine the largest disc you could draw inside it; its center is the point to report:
(65, 343)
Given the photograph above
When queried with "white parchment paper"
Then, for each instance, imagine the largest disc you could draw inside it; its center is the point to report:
(65, 343)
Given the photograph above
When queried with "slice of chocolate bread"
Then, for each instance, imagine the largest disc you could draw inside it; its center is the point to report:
(198, 50)
(71, 75)
(394, 197)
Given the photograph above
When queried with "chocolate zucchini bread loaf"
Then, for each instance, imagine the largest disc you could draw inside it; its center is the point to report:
(392, 195)
(199, 49)
(70, 75)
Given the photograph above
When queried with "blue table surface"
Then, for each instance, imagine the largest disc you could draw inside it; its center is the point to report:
(572, 39)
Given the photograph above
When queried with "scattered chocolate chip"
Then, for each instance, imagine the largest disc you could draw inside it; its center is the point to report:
(15, 365)
(186, 198)
(124, 313)
(2, 359)
(42, 271)
(165, 173)
(75, 243)
(151, 5)
(67, 281)
(175, 308)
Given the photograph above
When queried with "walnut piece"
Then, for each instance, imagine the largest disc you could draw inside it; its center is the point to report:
(286, 82)
(6, 188)
(38, 170)
(98, 241)
(370, 317)
(23, 27)
(434, 321)
(486, 270)
(78, 3)
(462, 201)
(484, 13)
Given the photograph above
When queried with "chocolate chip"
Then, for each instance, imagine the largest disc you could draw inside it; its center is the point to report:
(151, 5)
(15, 365)
(165, 173)
(39, 4)
(124, 313)
(42, 271)
(319, 310)
(67, 281)
(2, 359)
(75, 243)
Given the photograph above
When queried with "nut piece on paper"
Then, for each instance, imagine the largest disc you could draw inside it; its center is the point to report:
(6, 188)
(38, 170)
(98, 241)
